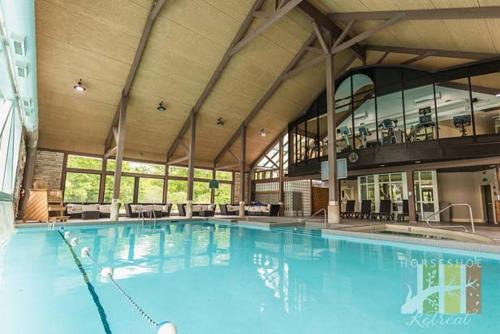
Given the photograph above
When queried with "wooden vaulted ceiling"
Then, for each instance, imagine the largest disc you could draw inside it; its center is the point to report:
(96, 41)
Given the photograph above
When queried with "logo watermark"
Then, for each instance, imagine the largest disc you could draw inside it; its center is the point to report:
(442, 292)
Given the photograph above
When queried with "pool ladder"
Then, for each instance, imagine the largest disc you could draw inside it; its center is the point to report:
(428, 220)
(142, 215)
(325, 216)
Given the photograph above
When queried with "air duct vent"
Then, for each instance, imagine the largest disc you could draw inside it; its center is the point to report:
(19, 44)
(22, 70)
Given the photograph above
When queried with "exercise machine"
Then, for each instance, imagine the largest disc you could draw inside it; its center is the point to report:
(424, 129)
(461, 122)
(390, 132)
(364, 132)
(345, 132)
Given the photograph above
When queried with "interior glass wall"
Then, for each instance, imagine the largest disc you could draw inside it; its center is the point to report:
(387, 105)
(486, 100)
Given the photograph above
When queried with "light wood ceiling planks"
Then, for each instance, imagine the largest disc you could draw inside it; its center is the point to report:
(96, 40)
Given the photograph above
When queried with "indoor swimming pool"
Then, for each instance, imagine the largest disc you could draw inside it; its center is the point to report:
(211, 277)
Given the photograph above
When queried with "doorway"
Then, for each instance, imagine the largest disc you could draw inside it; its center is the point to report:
(488, 214)
(319, 199)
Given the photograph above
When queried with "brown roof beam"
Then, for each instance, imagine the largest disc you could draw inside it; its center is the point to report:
(436, 52)
(277, 15)
(323, 20)
(423, 14)
(153, 14)
(418, 58)
(367, 34)
(216, 75)
(269, 93)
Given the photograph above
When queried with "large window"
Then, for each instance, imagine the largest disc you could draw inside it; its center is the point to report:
(223, 194)
(76, 161)
(201, 193)
(127, 186)
(150, 190)
(140, 182)
(81, 188)
(10, 139)
(177, 191)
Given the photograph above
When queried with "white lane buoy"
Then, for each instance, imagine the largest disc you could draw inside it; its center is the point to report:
(67, 234)
(85, 252)
(61, 229)
(74, 241)
(166, 327)
(107, 272)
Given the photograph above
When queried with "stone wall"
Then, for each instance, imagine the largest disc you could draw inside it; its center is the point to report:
(236, 194)
(48, 168)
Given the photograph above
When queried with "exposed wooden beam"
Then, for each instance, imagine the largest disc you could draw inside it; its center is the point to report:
(153, 14)
(178, 160)
(277, 15)
(216, 75)
(316, 50)
(307, 7)
(465, 87)
(263, 14)
(111, 152)
(321, 38)
(436, 52)
(418, 58)
(234, 155)
(424, 14)
(230, 166)
(120, 148)
(366, 34)
(191, 156)
(344, 34)
(243, 161)
(382, 58)
(269, 93)
(272, 162)
(312, 63)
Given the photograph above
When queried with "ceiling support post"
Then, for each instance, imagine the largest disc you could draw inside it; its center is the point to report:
(120, 149)
(281, 186)
(243, 155)
(333, 196)
(192, 147)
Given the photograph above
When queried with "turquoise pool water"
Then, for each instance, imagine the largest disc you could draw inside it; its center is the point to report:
(213, 278)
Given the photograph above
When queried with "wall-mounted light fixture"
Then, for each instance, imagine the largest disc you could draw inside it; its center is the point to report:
(263, 132)
(220, 121)
(79, 87)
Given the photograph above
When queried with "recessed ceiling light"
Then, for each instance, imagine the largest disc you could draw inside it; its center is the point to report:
(417, 161)
(79, 87)
(161, 107)
(263, 132)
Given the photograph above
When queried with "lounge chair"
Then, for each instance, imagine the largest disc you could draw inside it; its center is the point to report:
(366, 210)
(405, 215)
(349, 209)
(384, 212)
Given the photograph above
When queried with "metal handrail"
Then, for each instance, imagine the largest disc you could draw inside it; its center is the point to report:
(453, 226)
(317, 213)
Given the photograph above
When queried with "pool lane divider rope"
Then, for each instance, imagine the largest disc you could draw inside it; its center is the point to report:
(90, 287)
(165, 327)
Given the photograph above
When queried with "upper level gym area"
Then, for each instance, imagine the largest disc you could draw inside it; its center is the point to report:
(398, 114)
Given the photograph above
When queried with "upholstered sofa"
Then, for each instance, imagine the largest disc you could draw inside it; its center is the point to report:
(199, 210)
(229, 209)
(160, 210)
(88, 210)
(262, 210)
